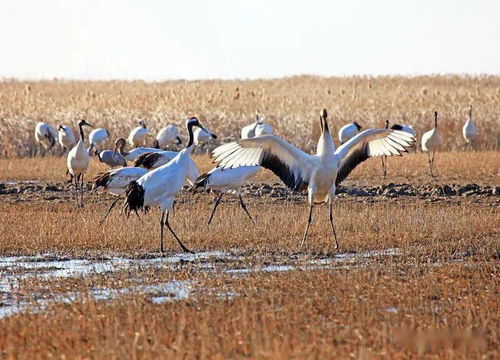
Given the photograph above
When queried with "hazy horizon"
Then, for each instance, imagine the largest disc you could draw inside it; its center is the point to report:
(230, 40)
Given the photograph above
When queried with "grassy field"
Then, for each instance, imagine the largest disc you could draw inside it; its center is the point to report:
(291, 105)
(416, 276)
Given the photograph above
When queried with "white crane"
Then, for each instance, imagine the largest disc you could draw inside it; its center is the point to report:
(45, 135)
(78, 161)
(258, 128)
(224, 181)
(138, 135)
(348, 131)
(111, 158)
(167, 136)
(134, 153)
(65, 137)
(97, 138)
(469, 130)
(430, 142)
(320, 173)
(160, 186)
(203, 136)
(154, 160)
(115, 181)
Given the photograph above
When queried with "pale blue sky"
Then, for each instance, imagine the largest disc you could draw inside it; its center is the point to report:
(193, 39)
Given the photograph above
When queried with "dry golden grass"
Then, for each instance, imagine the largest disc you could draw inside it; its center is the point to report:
(291, 105)
(456, 166)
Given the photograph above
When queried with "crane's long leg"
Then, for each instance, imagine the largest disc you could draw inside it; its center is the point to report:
(109, 210)
(185, 249)
(309, 219)
(76, 191)
(245, 208)
(81, 190)
(331, 223)
(430, 163)
(384, 165)
(215, 207)
(161, 230)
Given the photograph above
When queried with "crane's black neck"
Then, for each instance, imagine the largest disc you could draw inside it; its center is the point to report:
(191, 136)
(387, 124)
(82, 135)
(436, 119)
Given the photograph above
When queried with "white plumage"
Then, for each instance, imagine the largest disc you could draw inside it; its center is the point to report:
(45, 135)
(65, 137)
(258, 128)
(401, 127)
(78, 161)
(154, 160)
(318, 174)
(134, 153)
(348, 131)
(227, 180)
(167, 136)
(203, 136)
(430, 142)
(138, 135)
(98, 137)
(160, 186)
(469, 130)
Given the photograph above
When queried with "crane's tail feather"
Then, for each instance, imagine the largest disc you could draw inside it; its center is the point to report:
(201, 181)
(147, 160)
(134, 198)
(102, 180)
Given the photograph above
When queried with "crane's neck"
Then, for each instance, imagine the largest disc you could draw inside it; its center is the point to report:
(122, 151)
(325, 144)
(82, 134)
(189, 145)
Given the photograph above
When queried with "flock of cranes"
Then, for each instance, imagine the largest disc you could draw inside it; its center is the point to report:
(158, 175)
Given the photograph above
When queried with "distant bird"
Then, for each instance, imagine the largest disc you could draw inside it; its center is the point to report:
(111, 158)
(115, 181)
(66, 137)
(78, 161)
(134, 153)
(154, 160)
(228, 180)
(97, 138)
(258, 128)
(160, 186)
(348, 131)
(319, 173)
(469, 130)
(138, 135)
(203, 136)
(167, 136)
(430, 142)
(45, 135)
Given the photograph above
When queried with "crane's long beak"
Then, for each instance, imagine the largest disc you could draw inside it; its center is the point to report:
(92, 126)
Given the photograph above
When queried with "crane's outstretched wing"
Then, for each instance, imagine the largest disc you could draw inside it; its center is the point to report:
(289, 163)
(153, 160)
(120, 177)
(369, 143)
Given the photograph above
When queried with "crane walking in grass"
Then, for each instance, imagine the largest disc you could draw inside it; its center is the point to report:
(65, 137)
(320, 173)
(138, 135)
(224, 181)
(160, 186)
(78, 161)
(430, 142)
(469, 131)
